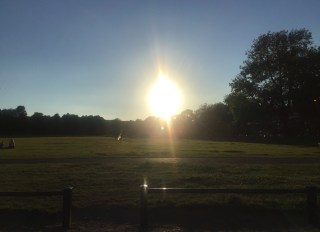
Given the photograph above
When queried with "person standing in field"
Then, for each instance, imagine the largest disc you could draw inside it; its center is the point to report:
(11, 144)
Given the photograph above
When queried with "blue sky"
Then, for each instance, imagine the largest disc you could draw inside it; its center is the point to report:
(102, 57)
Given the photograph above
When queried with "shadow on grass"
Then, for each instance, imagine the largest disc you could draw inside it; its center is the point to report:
(218, 218)
(198, 219)
(24, 220)
(227, 219)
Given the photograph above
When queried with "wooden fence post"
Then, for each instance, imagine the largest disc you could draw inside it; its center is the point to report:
(312, 206)
(144, 207)
(67, 204)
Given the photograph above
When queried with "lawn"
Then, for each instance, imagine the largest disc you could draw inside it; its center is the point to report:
(106, 173)
(112, 171)
(66, 147)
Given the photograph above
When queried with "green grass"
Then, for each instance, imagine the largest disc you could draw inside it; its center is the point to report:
(56, 147)
(103, 182)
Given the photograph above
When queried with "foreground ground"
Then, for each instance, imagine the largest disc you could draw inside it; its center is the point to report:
(219, 218)
(106, 176)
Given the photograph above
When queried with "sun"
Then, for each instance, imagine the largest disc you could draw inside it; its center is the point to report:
(164, 98)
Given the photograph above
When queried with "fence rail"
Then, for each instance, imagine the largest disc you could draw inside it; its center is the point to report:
(66, 202)
(310, 191)
(226, 191)
(30, 194)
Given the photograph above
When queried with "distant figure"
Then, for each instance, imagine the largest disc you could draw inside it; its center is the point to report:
(11, 144)
(120, 137)
(1, 144)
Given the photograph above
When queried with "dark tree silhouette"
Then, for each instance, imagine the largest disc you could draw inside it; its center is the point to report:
(184, 124)
(213, 121)
(278, 82)
(13, 121)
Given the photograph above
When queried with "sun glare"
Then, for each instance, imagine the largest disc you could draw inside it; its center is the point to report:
(164, 98)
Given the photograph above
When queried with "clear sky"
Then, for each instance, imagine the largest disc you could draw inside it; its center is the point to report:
(101, 57)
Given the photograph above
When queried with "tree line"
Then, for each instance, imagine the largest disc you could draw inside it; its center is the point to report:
(275, 96)
(15, 122)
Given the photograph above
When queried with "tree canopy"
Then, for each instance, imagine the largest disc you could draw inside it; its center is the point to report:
(279, 79)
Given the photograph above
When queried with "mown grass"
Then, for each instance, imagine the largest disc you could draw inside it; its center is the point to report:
(103, 182)
(57, 147)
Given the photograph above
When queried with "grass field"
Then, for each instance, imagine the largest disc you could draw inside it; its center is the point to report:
(56, 147)
(107, 174)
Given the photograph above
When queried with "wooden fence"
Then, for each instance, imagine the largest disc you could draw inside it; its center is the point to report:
(66, 202)
(310, 191)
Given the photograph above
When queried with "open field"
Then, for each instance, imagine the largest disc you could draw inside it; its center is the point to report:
(106, 175)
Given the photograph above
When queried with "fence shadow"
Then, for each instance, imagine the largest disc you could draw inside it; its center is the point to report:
(167, 218)
(226, 219)
(26, 220)
(193, 218)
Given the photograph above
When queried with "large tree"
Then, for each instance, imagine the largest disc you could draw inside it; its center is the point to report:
(280, 76)
(213, 121)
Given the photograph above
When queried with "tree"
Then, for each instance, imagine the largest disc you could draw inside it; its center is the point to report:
(184, 124)
(13, 121)
(213, 121)
(279, 78)
(245, 111)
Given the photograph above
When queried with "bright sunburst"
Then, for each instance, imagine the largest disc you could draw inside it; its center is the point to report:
(164, 98)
